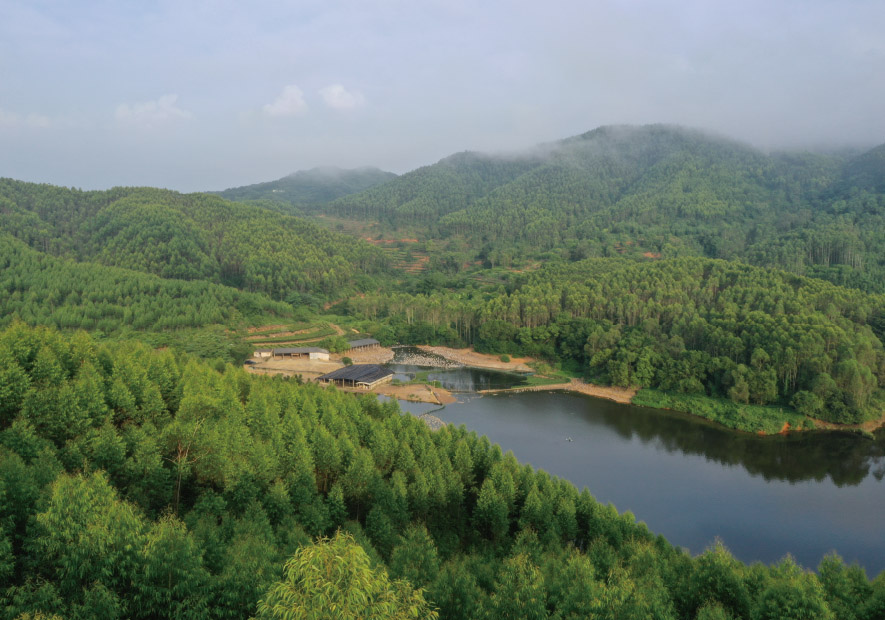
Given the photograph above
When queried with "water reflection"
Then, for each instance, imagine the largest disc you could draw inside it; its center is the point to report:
(409, 361)
(804, 494)
(845, 458)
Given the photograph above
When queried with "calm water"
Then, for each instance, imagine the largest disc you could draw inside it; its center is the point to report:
(804, 494)
(462, 379)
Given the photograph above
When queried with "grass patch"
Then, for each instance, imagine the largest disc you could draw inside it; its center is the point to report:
(545, 374)
(534, 380)
(320, 333)
(293, 327)
(422, 376)
(750, 418)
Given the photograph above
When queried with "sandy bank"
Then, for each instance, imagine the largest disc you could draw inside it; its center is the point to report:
(289, 367)
(418, 392)
(616, 394)
(469, 357)
(378, 355)
(870, 426)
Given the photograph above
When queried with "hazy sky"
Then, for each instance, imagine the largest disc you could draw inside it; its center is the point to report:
(214, 94)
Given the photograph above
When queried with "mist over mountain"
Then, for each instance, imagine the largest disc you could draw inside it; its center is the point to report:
(306, 187)
(867, 171)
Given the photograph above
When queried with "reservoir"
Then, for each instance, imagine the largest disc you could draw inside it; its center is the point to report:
(805, 494)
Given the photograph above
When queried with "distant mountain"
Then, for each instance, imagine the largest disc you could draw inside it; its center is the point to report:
(310, 187)
(867, 171)
(650, 191)
(656, 170)
(187, 237)
(428, 192)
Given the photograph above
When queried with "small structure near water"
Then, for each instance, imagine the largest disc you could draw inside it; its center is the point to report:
(314, 353)
(365, 343)
(364, 376)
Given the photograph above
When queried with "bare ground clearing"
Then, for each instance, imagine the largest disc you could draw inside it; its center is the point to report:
(378, 355)
(469, 357)
(307, 368)
(310, 370)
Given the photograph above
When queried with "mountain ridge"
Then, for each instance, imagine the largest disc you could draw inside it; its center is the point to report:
(315, 185)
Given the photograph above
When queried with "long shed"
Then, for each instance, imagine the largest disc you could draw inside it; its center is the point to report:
(314, 353)
(364, 343)
(364, 376)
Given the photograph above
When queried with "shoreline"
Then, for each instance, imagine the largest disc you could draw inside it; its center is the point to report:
(623, 396)
(470, 358)
(426, 393)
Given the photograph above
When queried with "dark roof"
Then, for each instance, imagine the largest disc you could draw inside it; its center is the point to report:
(295, 350)
(359, 373)
(365, 342)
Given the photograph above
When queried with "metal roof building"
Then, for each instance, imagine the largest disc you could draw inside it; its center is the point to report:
(365, 343)
(359, 375)
(298, 350)
(314, 353)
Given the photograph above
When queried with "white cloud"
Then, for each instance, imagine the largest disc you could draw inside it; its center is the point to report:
(339, 98)
(151, 113)
(289, 103)
(11, 119)
(37, 120)
(8, 119)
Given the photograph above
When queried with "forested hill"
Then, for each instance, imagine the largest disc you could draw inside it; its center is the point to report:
(585, 174)
(690, 326)
(141, 483)
(653, 190)
(866, 172)
(427, 193)
(311, 187)
(189, 237)
(45, 290)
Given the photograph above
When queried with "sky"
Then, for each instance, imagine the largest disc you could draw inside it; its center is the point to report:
(206, 95)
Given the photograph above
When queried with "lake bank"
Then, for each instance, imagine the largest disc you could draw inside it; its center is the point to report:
(767, 420)
(577, 386)
(469, 357)
(695, 481)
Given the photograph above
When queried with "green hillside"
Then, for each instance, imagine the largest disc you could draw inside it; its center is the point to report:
(44, 290)
(188, 236)
(139, 483)
(646, 191)
(690, 326)
(310, 187)
(866, 172)
(425, 194)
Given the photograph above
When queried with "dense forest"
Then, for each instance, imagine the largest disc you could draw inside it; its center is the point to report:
(654, 190)
(693, 326)
(305, 189)
(189, 237)
(143, 483)
(44, 290)
(143, 476)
